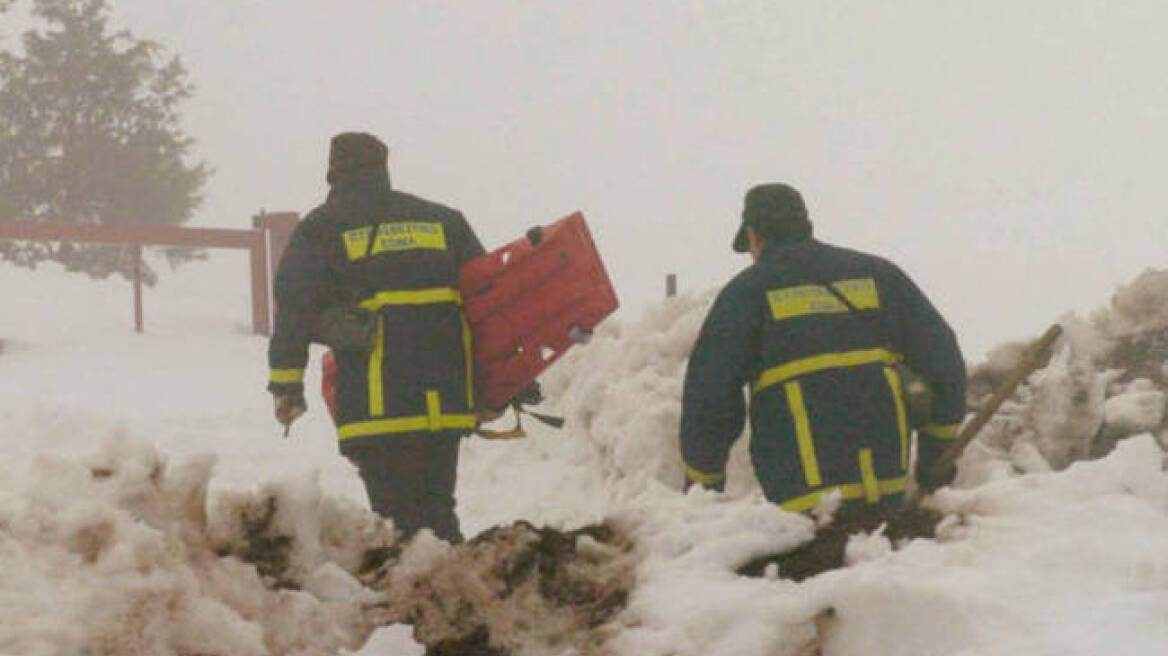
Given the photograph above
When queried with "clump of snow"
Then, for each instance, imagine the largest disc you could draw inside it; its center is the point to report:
(622, 395)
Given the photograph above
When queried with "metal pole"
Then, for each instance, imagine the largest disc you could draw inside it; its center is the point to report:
(136, 253)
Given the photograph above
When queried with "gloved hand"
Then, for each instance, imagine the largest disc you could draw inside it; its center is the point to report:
(930, 481)
(288, 408)
(530, 395)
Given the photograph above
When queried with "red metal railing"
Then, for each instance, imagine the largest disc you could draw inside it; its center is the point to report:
(264, 243)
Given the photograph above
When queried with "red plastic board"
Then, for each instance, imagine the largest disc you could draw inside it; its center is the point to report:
(529, 301)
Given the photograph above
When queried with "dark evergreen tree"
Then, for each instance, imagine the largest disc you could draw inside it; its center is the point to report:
(89, 133)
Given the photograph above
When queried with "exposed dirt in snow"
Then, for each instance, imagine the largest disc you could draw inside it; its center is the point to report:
(828, 549)
(516, 589)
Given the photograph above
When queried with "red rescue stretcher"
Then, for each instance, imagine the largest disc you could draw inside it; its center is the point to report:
(527, 303)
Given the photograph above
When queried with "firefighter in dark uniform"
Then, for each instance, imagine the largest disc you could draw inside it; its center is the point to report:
(373, 273)
(826, 399)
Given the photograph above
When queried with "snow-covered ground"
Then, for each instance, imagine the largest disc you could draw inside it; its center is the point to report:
(139, 469)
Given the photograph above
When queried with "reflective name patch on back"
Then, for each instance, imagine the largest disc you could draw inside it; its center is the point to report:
(804, 300)
(392, 237)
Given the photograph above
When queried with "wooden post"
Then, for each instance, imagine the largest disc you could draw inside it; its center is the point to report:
(670, 285)
(136, 253)
(261, 322)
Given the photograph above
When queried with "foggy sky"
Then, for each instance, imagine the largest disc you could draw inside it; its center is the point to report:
(1008, 155)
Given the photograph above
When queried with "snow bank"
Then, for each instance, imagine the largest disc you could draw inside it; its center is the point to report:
(1056, 540)
(121, 554)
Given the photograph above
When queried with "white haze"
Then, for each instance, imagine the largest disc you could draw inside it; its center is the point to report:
(1002, 152)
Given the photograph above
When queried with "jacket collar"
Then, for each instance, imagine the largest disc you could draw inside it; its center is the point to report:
(777, 248)
(360, 180)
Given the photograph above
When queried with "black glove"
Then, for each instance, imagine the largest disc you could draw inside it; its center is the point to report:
(530, 395)
(930, 481)
(929, 452)
(288, 408)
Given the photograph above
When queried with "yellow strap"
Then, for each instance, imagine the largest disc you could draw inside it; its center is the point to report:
(701, 477)
(376, 390)
(412, 297)
(849, 492)
(816, 363)
(942, 431)
(897, 387)
(282, 376)
(803, 433)
(406, 425)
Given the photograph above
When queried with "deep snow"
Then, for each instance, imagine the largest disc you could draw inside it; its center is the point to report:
(144, 482)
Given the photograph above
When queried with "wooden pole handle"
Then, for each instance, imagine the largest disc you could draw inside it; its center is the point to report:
(1031, 360)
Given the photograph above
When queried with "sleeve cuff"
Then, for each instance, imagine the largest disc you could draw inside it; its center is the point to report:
(706, 480)
(286, 381)
(941, 431)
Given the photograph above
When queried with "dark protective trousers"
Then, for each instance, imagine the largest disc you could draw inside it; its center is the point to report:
(410, 479)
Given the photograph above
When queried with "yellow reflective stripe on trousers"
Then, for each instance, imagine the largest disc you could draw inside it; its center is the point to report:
(280, 376)
(897, 386)
(868, 477)
(849, 492)
(376, 389)
(942, 431)
(412, 297)
(815, 363)
(405, 425)
(702, 477)
(803, 433)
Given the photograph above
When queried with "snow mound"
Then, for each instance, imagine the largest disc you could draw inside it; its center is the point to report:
(1107, 380)
(118, 554)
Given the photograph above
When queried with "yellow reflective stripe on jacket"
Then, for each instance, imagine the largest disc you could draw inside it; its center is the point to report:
(822, 362)
(281, 376)
(702, 477)
(942, 431)
(405, 425)
(394, 236)
(468, 349)
(803, 433)
(433, 411)
(868, 479)
(433, 421)
(376, 387)
(412, 297)
(849, 492)
(897, 386)
(805, 300)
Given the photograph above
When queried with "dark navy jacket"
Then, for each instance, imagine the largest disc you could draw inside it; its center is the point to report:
(826, 406)
(397, 256)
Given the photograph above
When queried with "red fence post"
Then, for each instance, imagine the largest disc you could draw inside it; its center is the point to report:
(279, 226)
(261, 316)
(276, 229)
